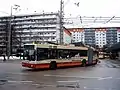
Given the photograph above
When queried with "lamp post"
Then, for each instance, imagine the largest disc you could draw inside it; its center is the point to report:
(9, 32)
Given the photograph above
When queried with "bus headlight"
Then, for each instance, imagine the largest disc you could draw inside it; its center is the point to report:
(31, 65)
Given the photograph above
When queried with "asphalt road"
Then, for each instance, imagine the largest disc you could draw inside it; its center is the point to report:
(104, 76)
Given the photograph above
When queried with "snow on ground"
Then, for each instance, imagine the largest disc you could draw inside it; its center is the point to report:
(11, 57)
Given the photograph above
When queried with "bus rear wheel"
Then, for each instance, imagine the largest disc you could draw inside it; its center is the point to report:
(53, 65)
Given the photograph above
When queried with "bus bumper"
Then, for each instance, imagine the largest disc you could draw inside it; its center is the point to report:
(35, 66)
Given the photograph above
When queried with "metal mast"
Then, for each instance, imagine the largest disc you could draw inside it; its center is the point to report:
(9, 35)
(61, 21)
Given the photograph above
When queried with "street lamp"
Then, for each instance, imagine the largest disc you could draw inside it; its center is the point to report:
(9, 32)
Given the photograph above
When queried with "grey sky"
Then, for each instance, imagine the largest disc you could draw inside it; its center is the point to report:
(86, 7)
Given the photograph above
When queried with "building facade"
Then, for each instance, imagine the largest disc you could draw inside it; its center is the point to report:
(89, 36)
(77, 34)
(97, 36)
(100, 37)
(27, 29)
(111, 36)
(118, 35)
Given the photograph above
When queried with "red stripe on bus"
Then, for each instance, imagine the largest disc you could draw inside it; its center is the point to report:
(40, 66)
(65, 64)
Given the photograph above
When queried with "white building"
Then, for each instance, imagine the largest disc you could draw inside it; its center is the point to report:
(100, 37)
(37, 27)
(77, 35)
(118, 35)
(90, 36)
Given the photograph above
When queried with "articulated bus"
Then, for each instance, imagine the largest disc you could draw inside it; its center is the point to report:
(48, 56)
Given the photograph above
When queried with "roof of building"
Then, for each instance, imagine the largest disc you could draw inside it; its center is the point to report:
(32, 14)
(67, 32)
(91, 28)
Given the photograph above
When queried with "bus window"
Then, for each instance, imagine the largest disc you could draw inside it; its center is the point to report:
(42, 53)
(83, 53)
(29, 52)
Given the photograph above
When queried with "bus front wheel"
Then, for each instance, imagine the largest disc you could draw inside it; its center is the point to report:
(84, 62)
(53, 65)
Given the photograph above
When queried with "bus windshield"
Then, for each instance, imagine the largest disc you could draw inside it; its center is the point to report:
(29, 52)
(29, 47)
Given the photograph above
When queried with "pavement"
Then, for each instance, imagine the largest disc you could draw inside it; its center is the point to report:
(103, 76)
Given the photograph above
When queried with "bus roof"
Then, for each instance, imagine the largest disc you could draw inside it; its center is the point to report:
(70, 47)
(52, 46)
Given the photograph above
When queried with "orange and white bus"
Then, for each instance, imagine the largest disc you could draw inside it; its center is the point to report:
(48, 56)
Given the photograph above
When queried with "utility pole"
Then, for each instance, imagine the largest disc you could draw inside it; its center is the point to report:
(9, 35)
(9, 31)
(61, 21)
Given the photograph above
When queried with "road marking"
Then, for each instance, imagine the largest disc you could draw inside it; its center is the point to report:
(14, 73)
(20, 73)
(82, 77)
(74, 84)
(19, 81)
(69, 81)
(44, 85)
(86, 88)
(105, 78)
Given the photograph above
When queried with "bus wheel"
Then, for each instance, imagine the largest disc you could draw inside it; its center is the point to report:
(96, 61)
(53, 65)
(83, 62)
